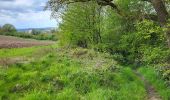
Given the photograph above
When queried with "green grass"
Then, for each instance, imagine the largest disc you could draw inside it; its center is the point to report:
(27, 51)
(17, 51)
(151, 75)
(70, 75)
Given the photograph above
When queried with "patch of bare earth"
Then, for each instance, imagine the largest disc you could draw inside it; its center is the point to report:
(5, 62)
(15, 42)
(151, 92)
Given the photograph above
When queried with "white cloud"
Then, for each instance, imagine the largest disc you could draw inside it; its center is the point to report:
(25, 13)
(30, 20)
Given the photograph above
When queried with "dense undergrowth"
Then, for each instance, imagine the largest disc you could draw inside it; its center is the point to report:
(73, 74)
(70, 75)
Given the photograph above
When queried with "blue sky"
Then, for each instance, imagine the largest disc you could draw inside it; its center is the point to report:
(25, 14)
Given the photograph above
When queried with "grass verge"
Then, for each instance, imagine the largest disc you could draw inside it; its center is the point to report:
(151, 75)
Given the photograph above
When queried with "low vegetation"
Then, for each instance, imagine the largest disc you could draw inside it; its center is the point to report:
(154, 78)
(17, 52)
(10, 30)
(70, 74)
(75, 73)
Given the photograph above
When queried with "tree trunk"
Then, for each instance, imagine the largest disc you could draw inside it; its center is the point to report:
(168, 37)
(163, 15)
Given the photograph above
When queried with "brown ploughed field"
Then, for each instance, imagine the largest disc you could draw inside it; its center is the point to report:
(15, 42)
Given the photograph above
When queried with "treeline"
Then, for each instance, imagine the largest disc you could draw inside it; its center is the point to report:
(132, 40)
(10, 30)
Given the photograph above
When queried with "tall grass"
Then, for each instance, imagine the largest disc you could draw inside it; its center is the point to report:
(152, 76)
(62, 76)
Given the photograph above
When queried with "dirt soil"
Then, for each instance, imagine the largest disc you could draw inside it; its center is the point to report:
(151, 92)
(15, 42)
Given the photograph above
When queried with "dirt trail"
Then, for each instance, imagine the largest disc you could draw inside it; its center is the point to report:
(151, 92)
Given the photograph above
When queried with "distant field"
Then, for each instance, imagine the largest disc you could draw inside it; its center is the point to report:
(15, 42)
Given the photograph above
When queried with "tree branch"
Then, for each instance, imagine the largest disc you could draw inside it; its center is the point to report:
(111, 4)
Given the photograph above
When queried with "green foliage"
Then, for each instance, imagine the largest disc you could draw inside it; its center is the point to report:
(45, 37)
(35, 32)
(126, 34)
(62, 75)
(130, 39)
(152, 76)
(146, 45)
(76, 74)
(26, 35)
(6, 53)
(8, 28)
(149, 32)
(81, 25)
(156, 55)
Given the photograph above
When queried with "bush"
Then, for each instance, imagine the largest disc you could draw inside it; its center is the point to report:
(155, 55)
(146, 44)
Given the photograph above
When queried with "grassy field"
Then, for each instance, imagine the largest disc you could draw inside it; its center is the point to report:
(72, 74)
(17, 52)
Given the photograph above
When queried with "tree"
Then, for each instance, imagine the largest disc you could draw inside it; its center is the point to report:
(0, 29)
(160, 15)
(8, 28)
(81, 25)
(35, 32)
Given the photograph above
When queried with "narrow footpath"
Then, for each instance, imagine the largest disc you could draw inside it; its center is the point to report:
(151, 91)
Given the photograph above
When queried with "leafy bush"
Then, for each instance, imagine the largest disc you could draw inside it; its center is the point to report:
(155, 55)
(146, 44)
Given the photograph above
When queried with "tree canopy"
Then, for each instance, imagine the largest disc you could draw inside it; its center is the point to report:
(9, 28)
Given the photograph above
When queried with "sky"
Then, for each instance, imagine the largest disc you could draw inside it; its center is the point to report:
(25, 14)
